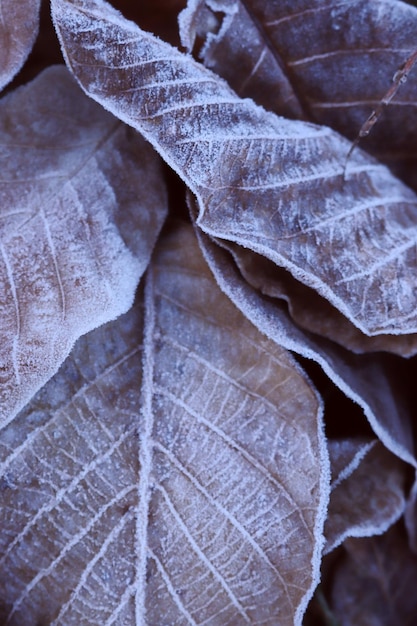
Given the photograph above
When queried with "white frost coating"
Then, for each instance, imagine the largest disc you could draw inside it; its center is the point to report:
(240, 445)
(111, 537)
(76, 229)
(342, 449)
(68, 546)
(187, 27)
(275, 196)
(387, 418)
(369, 501)
(19, 25)
(188, 21)
(75, 445)
(145, 453)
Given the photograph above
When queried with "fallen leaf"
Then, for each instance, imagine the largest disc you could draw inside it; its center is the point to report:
(330, 63)
(309, 310)
(19, 24)
(233, 43)
(375, 584)
(199, 497)
(367, 499)
(273, 185)
(76, 229)
(367, 379)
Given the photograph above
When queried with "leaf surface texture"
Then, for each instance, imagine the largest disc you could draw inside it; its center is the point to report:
(197, 490)
(76, 230)
(19, 24)
(260, 180)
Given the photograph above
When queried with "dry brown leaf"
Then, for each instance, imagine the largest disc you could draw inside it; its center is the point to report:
(267, 428)
(346, 455)
(273, 185)
(69, 471)
(76, 228)
(19, 24)
(366, 379)
(234, 44)
(309, 310)
(375, 584)
(217, 516)
(367, 496)
(329, 62)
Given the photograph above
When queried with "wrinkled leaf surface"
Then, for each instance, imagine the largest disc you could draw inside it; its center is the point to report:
(366, 379)
(196, 497)
(19, 24)
(273, 185)
(311, 311)
(367, 499)
(329, 62)
(76, 228)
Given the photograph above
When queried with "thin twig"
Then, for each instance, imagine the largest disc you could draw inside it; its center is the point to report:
(398, 79)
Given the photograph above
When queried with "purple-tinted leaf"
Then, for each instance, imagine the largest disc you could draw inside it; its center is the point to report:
(309, 310)
(68, 480)
(76, 228)
(234, 44)
(19, 23)
(272, 185)
(199, 499)
(365, 499)
(375, 584)
(329, 62)
(345, 457)
(366, 379)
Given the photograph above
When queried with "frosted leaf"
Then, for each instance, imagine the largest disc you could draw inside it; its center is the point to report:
(273, 185)
(327, 62)
(200, 497)
(68, 477)
(309, 310)
(260, 485)
(375, 583)
(366, 379)
(367, 499)
(345, 456)
(76, 229)
(240, 51)
(19, 24)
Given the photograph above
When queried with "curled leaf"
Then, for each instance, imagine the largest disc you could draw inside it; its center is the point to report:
(375, 583)
(19, 24)
(76, 229)
(234, 43)
(311, 311)
(367, 495)
(269, 184)
(327, 62)
(197, 496)
(367, 379)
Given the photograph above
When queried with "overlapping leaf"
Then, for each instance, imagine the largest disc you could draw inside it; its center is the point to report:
(270, 184)
(367, 379)
(19, 23)
(375, 584)
(367, 494)
(310, 310)
(76, 228)
(230, 488)
(329, 62)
